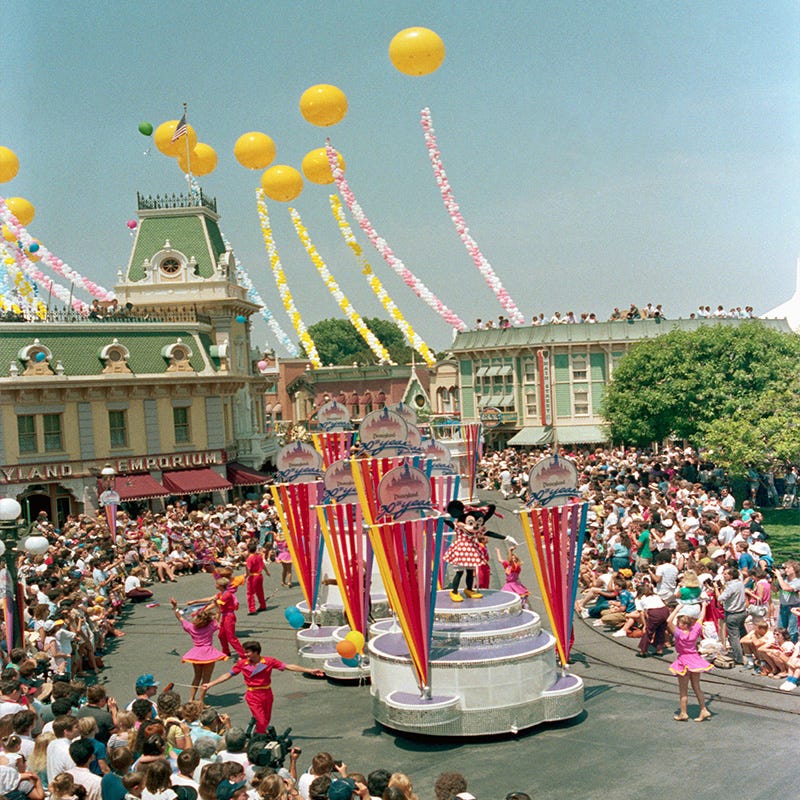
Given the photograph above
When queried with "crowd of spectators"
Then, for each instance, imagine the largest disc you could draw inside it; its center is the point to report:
(664, 529)
(634, 312)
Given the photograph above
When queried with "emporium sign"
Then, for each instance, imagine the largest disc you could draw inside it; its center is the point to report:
(38, 473)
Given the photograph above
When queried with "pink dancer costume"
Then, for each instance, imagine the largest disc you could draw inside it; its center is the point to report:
(513, 583)
(688, 660)
(203, 651)
(283, 555)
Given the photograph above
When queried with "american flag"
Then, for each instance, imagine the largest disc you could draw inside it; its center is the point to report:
(181, 130)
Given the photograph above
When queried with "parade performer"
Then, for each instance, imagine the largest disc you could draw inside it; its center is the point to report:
(203, 655)
(226, 602)
(256, 568)
(257, 673)
(689, 664)
(512, 566)
(469, 523)
(284, 558)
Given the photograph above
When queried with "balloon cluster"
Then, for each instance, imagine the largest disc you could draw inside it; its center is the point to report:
(380, 244)
(484, 267)
(193, 157)
(386, 301)
(294, 617)
(283, 287)
(351, 648)
(355, 319)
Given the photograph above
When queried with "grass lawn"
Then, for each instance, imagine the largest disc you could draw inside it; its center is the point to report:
(783, 527)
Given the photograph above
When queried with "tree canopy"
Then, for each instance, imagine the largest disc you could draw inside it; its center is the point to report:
(733, 389)
(339, 343)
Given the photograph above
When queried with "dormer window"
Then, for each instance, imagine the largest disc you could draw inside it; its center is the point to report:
(115, 356)
(170, 266)
(178, 355)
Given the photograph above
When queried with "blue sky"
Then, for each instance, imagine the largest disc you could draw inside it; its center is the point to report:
(601, 153)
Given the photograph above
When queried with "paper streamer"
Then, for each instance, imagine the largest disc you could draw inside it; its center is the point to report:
(414, 339)
(380, 244)
(332, 445)
(484, 267)
(254, 297)
(471, 433)
(15, 256)
(283, 286)
(52, 261)
(555, 540)
(353, 317)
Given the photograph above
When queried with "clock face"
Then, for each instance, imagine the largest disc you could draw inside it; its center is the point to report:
(170, 266)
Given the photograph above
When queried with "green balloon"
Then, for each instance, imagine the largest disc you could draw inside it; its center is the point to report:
(145, 128)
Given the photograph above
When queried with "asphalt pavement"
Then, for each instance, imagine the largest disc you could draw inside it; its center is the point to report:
(624, 745)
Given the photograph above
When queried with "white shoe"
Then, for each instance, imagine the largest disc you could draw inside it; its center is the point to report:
(584, 614)
(598, 622)
(787, 686)
(619, 634)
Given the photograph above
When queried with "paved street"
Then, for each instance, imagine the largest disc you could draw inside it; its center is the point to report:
(625, 745)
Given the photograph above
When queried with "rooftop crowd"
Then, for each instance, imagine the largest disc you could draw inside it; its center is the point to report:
(62, 737)
(630, 314)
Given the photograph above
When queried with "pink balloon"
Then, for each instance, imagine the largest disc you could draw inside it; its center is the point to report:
(132, 224)
(262, 365)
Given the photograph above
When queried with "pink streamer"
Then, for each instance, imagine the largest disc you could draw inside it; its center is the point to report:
(484, 267)
(52, 261)
(380, 244)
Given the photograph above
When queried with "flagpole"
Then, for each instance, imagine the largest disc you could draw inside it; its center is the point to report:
(188, 157)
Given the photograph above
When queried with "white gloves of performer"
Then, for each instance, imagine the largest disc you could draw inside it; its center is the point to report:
(512, 540)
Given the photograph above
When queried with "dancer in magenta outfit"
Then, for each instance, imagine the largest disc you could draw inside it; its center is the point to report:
(512, 567)
(203, 655)
(689, 664)
(256, 568)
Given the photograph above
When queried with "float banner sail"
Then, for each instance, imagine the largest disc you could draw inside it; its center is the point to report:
(555, 539)
(471, 433)
(351, 555)
(368, 472)
(332, 445)
(296, 506)
(408, 558)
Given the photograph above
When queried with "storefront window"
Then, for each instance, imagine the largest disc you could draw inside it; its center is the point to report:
(180, 418)
(26, 432)
(53, 441)
(117, 429)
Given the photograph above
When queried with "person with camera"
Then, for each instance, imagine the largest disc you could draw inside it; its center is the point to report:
(257, 673)
(733, 600)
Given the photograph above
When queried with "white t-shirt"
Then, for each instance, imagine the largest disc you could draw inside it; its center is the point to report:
(668, 581)
(58, 758)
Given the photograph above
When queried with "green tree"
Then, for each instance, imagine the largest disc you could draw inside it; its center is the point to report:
(339, 343)
(677, 385)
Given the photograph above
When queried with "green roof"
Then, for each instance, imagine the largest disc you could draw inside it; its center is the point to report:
(79, 351)
(193, 235)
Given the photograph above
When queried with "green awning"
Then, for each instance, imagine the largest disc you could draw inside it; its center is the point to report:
(532, 437)
(581, 434)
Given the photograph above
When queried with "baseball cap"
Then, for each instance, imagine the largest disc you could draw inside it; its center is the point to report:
(146, 681)
(226, 790)
(341, 789)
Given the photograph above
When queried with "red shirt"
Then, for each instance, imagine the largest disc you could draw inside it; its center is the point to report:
(227, 601)
(258, 674)
(254, 564)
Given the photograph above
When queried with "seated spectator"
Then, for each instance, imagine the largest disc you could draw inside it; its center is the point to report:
(82, 752)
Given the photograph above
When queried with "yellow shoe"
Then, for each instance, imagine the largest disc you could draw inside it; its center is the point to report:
(456, 597)
(472, 595)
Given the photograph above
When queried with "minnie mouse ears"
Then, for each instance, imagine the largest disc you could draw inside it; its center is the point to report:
(458, 511)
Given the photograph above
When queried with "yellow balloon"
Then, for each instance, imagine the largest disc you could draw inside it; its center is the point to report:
(254, 150)
(163, 139)
(316, 167)
(323, 105)
(8, 234)
(21, 209)
(282, 183)
(9, 164)
(203, 160)
(356, 638)
(417, 51)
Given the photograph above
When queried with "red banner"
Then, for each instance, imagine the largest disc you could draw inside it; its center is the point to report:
(296, 506)
(408, 556)
(555, 540)
(351, 556)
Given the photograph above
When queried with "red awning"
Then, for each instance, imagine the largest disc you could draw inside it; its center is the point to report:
(194, 481)
(240, 475)
(138, 487)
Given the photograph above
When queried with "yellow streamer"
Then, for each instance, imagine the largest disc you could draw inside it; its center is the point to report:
(352, 315)
(377, 287)
(283, 287)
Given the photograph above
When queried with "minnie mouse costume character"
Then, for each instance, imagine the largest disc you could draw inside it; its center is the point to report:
(469, 522)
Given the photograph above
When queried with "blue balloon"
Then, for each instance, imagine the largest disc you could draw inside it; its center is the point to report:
(350, 662)
(241, 318)
(33, 247)
(294, 617)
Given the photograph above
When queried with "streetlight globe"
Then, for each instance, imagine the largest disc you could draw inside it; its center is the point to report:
(36, 545)
(10, 509)
(108, 471)
(2, 548)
